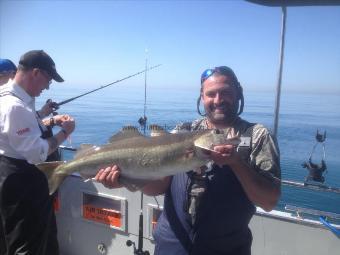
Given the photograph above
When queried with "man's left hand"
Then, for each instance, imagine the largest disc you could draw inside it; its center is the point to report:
(225, 155)
(59, 119)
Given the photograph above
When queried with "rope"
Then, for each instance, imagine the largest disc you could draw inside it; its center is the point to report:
(334, 230)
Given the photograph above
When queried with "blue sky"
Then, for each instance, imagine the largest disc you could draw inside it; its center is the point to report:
(96, 42)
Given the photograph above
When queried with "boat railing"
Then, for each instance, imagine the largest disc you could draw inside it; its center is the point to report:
(311, 186)
(322, 216)
(62, 149)
(301, 210)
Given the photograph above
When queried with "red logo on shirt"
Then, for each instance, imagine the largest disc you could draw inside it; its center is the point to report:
(22, 131)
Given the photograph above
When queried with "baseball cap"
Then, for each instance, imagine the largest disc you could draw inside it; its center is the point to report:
(7, 65)
(40, 59)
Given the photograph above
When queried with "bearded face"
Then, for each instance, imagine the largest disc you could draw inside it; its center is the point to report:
(220, 100)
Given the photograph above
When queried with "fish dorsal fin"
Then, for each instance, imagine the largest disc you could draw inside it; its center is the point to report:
(156, 130)
(126, 133)
(84, 149)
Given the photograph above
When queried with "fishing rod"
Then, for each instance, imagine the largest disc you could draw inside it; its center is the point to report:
(142, 121)
(57, 105)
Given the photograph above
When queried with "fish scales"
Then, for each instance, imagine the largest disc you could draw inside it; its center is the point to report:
(139, 157)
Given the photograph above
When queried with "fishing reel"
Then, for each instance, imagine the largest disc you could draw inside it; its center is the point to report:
(53, 105)
(135, 250)
(142, 121)
(139, 250)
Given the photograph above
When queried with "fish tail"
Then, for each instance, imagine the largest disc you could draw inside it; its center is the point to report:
(54, 177)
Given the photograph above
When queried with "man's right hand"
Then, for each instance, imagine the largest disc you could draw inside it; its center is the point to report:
(47, 108)
(109, 177)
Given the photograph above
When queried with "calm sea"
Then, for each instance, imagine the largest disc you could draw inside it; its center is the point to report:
(101, 114)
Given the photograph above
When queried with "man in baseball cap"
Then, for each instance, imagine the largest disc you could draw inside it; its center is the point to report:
(40, 59)
(27, 219)
(7, 70)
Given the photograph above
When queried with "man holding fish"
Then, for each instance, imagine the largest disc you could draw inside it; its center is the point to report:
(207, 211)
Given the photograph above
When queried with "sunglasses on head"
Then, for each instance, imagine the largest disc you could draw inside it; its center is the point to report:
(219, 70)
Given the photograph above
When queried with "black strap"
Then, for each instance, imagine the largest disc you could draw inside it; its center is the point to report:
(175, 223)
(9, 93)
(249, 130)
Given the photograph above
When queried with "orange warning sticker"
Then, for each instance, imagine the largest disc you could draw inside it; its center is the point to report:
(103, 215)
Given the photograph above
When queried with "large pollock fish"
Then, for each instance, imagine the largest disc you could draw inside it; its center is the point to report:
(140, 158)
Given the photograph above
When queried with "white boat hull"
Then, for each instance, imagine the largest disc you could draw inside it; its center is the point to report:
(274, 233)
